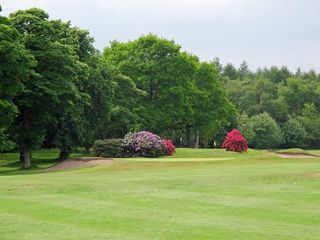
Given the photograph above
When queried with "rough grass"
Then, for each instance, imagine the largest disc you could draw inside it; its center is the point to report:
(249, 196)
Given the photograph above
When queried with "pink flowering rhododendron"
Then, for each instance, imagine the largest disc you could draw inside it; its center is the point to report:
(169, 148)
(143, 143)
(235, 142)
(147, 144)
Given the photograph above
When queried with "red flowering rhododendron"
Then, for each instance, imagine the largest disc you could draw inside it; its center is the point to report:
(235, 142)
(169, 148)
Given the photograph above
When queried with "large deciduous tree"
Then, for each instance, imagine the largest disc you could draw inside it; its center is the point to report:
(16, 66)
(211, 105)
(159, 68)
(54, 86)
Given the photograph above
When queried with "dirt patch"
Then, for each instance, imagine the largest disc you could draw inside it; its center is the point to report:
(313, 175)
(80, 162)
(295, 155)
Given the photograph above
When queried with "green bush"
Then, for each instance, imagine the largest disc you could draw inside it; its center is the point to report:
(267, 132)
(108, 148)
(294, 134)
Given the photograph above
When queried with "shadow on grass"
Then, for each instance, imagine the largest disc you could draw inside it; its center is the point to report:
(41, 160)
(15, 168)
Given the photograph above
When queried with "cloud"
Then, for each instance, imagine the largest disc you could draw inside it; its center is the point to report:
(170, 7)
(149, 7)
(264, 32)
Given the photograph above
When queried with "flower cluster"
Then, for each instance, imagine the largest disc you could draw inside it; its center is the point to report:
(169, 148)
(144, 144)
(235, 142)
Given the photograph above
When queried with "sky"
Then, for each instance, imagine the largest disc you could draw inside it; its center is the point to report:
(261, 32)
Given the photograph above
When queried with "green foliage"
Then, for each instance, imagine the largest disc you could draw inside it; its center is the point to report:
(211, 105)
(50, 95)
(280, 93)
(16, 66)
(158, 68)
(297, 92)
(294, 134)
(99, 86)
(267, 132)
(246, 128)
(124, 115)
(5, 143)
(108, 148)
(57, 90)
(179, 96)
(230, 71)
(310, 120)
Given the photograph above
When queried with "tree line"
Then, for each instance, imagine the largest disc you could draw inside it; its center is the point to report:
(57, 90)
(276, 107)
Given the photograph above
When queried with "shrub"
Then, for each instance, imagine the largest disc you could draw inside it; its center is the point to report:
(144, 144)
(169, 148)
(235, 142)
(108, 148)
(267, 132)
(294, 134)
(127, 143)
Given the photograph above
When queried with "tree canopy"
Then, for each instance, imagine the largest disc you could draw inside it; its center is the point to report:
(57, 90)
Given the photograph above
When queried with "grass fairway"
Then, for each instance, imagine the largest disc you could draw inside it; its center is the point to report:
(194, 195)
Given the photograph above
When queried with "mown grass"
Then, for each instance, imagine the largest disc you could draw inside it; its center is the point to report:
(256, 195)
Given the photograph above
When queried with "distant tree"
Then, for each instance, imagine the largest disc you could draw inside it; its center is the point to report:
(245, 126)
(267, 132)
(276, 75)
(294, 134)
(124, 116)
(216, 61)
(298, 72)
(211, 105)
(159, 68)
(230, 71)
(297, 92)
(276, 107)
(310, 120)
(244, 70)
(100, 88)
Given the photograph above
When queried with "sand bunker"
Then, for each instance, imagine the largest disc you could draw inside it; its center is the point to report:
(80, 162)
(296, 155)
(314, 175)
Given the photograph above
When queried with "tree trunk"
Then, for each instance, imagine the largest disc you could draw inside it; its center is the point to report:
(25, 158)
(189, 135)
(196, 145)
(87, 149)
(63, 154)
(206, 143)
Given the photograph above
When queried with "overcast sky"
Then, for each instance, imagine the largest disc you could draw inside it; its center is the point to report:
(262, 32)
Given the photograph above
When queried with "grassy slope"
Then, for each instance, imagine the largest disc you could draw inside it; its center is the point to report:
(250, 196)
